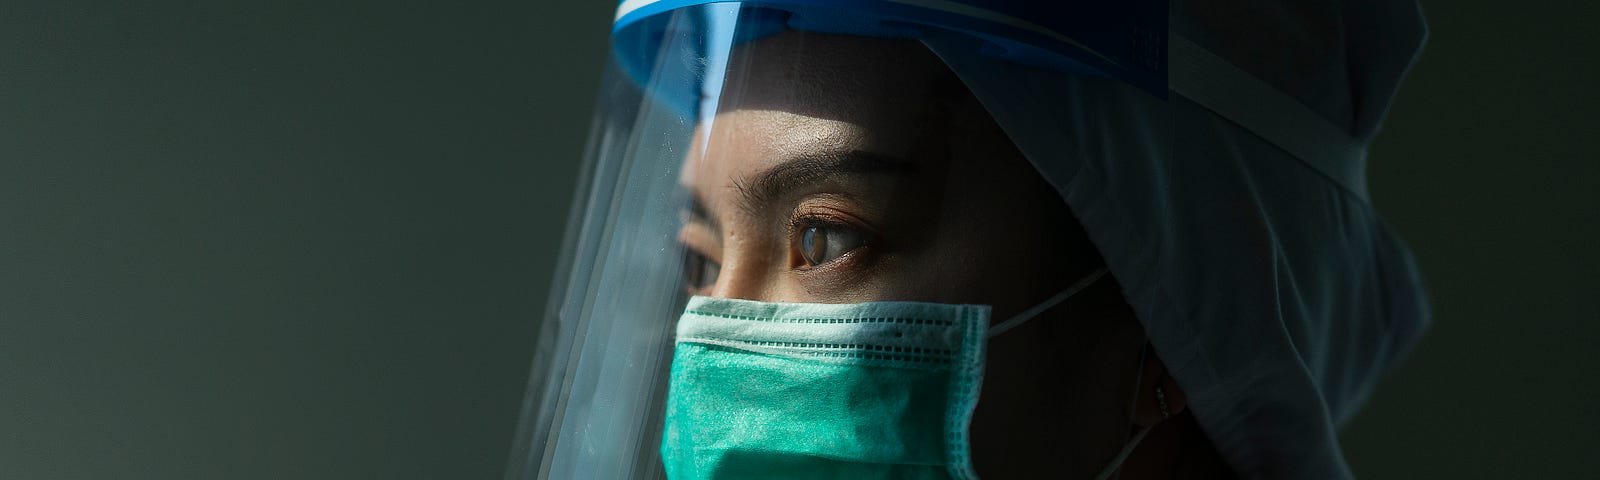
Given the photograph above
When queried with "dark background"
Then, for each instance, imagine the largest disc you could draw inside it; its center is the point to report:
(312, 239)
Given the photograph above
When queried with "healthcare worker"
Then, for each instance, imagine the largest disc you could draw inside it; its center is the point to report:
(919, 239)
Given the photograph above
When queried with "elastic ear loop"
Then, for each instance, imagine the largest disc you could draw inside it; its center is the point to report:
(1062, 296)
(1114, 468)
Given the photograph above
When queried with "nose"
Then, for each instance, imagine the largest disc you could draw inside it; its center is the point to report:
(740, 279)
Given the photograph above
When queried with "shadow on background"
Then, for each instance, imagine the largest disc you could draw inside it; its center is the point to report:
(280, 239)
(312, 239)
(1489, 167)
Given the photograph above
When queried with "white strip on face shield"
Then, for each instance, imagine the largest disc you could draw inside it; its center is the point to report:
(755, 154)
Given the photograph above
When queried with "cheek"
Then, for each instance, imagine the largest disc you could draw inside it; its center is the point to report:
(988, 245)
(974, 256)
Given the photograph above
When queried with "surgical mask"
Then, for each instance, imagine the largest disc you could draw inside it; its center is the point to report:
(817, 391)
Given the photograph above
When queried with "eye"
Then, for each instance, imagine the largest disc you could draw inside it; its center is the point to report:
(819, 244)
(699, 272)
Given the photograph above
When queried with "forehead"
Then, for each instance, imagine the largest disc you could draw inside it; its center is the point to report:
(796, 94)
(825, 75)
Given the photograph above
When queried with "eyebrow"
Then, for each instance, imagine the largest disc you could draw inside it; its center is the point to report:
(777, 182)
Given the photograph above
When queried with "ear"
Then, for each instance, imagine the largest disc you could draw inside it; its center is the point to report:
(1147, 406)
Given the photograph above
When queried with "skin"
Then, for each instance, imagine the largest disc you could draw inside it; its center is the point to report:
(843, 169)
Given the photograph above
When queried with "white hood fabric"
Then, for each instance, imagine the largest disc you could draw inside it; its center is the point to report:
(1266, 281)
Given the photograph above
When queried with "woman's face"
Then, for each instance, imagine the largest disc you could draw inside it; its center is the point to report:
(845, 169)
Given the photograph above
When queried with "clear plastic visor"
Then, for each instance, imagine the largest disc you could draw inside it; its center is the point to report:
(744, 161)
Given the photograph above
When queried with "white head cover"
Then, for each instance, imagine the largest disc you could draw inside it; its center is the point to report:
(1235, 215)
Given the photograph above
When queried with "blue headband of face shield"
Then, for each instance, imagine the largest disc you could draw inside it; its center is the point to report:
(1125, 40)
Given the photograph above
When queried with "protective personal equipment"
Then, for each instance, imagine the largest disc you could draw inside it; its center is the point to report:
(1212, 150)
(878, 390)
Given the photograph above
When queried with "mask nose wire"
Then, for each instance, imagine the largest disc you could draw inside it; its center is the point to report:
(1062, 296)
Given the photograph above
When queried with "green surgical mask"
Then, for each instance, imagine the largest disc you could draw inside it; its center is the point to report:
(815, 391)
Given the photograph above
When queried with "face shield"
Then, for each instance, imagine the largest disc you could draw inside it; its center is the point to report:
(830, 164)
